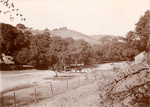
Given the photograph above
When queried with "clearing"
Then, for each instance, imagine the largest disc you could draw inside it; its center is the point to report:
(24, 82)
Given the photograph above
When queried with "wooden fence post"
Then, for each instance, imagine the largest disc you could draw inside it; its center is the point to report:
(14, 99)
(67, 84)
(52, 89)
(35, 99)
(79, 81)
(87, 78)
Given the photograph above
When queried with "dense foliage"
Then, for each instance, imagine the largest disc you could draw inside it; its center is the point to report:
(12, 40)
(143, 30)
(43, 51)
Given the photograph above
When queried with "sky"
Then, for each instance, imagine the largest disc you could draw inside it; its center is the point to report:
(90, 17)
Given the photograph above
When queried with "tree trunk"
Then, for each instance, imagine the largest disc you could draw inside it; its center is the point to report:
(56, 73)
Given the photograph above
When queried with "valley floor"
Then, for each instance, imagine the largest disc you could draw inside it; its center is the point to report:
(23, 82)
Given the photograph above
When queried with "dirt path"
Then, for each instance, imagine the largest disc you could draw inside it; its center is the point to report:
(85, 96)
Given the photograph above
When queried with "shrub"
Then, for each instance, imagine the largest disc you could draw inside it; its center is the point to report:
(128, 87)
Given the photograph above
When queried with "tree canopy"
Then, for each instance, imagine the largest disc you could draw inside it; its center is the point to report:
(44, 52)
(143, 31)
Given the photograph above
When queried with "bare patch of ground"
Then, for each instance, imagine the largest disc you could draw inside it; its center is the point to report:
(12, 79)
(85, 96)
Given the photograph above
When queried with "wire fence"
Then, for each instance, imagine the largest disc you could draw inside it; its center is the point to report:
(44, 91)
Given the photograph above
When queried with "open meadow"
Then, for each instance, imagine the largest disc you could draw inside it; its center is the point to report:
(42, 88)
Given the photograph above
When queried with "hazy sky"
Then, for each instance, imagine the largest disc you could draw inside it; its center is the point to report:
(114, 17)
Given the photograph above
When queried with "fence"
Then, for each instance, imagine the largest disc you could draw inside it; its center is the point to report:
(47, 90)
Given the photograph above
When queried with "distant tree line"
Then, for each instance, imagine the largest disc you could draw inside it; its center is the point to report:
(43, 51)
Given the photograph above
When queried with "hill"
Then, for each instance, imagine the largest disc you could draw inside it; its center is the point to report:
(98, 37)
(65, 33)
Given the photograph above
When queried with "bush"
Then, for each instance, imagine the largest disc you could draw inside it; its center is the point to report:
(128, 87)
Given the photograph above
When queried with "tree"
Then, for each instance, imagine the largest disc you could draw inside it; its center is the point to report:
(95, 54)
(106, 39)
(20, 26)
(28, 33)
(46, 30)
(36, 53)
(79, 51)
(12, 40)
(23, 57)
(57, 53)
(39, 46)
(143, 31)
(131, 36)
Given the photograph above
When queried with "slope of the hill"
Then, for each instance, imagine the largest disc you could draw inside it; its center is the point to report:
(98, 37)
(34, 32)
(65, 33)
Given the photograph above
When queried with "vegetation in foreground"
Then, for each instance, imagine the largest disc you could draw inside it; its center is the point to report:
(128, 87)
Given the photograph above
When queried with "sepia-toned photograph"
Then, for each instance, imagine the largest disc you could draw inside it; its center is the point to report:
(74, 53)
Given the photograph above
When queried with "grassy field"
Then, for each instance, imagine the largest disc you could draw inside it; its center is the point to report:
(24, 83)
